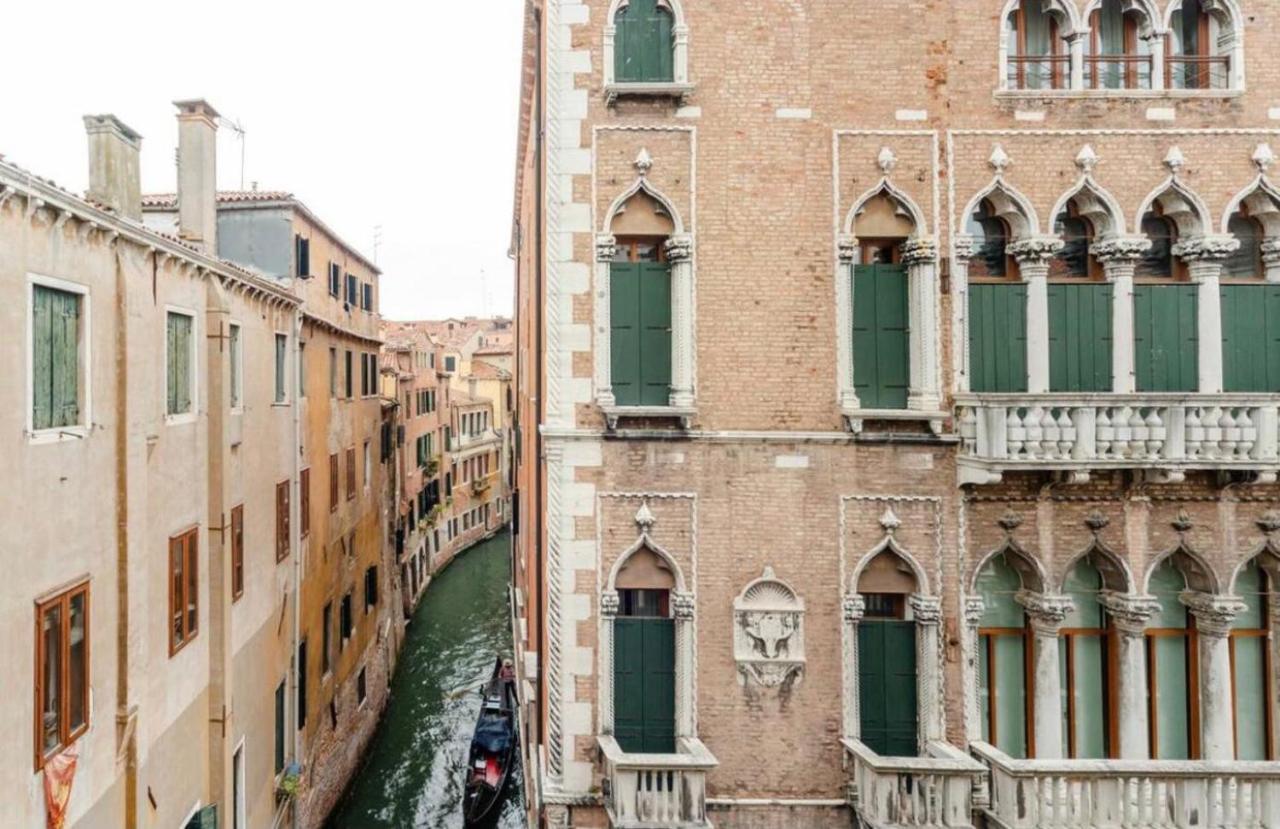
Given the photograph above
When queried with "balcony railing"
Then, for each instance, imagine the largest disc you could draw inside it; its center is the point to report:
(1133, 794)
(1117, 71)
(1198, 71)
(657, 791)
(1039, 71)
(936, 791)
(1174, 432)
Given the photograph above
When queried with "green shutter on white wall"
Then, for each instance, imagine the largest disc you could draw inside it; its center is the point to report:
(55, 351)
(178, 363)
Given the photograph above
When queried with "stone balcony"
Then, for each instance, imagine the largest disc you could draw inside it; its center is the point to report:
(1163, 435)
(657, 791)
(1130, 794)
(933, 791)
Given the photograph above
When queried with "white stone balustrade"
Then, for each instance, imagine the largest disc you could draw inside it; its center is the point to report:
(935, 791)
(657, 791)
(1000, 432)
(1130, 794)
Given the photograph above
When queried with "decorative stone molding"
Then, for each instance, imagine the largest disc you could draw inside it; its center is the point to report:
(1182, 523)
(609, 604)
(1214, 614)
(644, 517)
(918, 251)
(886, 161)
(1125, 249)
(1096, 522)
(1087, 159)
(974, 607)
(679, 248)
(889, 521)
(1035, 250)
(1129, 613)
(1174, 160)
(1206, 248)
(606, 247)
(854, 607)
(1271, 251)
(1269, 523)
(768, 632)
(1009, 522)
(999, 160)
(683, 606)
(643, 162)
(847, 248)
(963, 246)
(1263, 157)
(1047, 612)
(927, 610)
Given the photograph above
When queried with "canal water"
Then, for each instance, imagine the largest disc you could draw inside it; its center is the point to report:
(413, 774)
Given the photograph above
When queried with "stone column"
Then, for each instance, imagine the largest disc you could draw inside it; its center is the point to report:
(1076, 44)
(846, 255)
(973, 610)
(962, 252)
(1204, 256)
(683, 607)
(1119, 256)
(1156, 43)
(920, 257)
(605, 248)
(679, 250)
(1047, 614)
(854, 606)
(927, 611)
(609, 603)
(1129, 615)
(1214, 615)
(1033, 256)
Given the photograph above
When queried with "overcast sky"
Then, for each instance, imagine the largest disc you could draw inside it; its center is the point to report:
(398, 114)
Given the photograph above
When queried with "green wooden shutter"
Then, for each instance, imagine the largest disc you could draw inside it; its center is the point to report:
(1251, 338)
(42, 376)
(170, 361)
(1165, 337)
(628, 683)
(1080, 337)
(887, 687)
(643, 45)
(998, 338)
(655, 333)
(881, 361)
(644, 690)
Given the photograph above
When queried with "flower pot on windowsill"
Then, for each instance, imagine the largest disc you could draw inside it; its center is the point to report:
(289, 783)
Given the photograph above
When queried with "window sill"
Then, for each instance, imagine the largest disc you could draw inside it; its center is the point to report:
(613, 414)
(179, 419)
(280, 404)
(1135, 94)
(855, 418)
(58, 435)
(642, 89)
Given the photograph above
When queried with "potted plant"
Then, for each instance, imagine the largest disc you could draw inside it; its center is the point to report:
(290, 781)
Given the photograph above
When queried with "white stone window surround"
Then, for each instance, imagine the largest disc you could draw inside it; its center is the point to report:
(1076, 32)
(1262, 198)
(680, 255)
(678, 88)
(919, 254)
(82, 429)
(193, 364)
(236, 390)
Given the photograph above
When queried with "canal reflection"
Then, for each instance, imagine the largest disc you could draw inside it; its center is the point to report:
(413, 774)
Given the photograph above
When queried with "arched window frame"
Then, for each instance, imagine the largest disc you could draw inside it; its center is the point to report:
(678, 87)
(1222, 13)
(1146, 29)
(1066, 47)
(1267, 560)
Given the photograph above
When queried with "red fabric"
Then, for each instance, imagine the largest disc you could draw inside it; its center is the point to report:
(59, 772)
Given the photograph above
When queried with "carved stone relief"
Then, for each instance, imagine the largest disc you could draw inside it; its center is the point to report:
(768, 633)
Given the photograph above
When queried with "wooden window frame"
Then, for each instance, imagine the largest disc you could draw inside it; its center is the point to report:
(282, 520)
(350, 379)
(280, 373)
(186, 544)
(1057, 79)
(334, 473)
(1110, 665)
(66, 735)
(1263, 633)
(237, 552)
(304, 503)
(351, 473)
(1192, 644)
(1029, 680)
(1129, 57)
(235, 358)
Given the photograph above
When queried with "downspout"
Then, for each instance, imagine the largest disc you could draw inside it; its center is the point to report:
(539, 299)
(295, 536)
(126, 730)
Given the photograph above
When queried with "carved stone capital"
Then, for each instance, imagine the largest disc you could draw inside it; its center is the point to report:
(974, 607)
(1214, 614)
(847, 248)
(1206, 248)
(1129, 614)
(1121, 249)
(683, 605)
(1036, 250)
(606, 247)
(964, 247)
(918, 251)
(927, 610)
(1047, 613)
(609, 604)
(854, 607)
(679, 248)
(1271, 252)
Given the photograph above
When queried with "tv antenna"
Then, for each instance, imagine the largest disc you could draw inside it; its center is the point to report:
(238, 128)
(377, 242)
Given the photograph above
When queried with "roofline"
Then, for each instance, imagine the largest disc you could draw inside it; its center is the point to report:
(14, 179)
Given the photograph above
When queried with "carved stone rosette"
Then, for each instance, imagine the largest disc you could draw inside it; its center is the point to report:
(768, 632)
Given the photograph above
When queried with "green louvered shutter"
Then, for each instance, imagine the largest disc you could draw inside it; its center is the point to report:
(624, 332)
(644, 689)
(55, 352)
(628, 683)
(1165, 339)
(887, 687)
(998, 338)
(1251, 338)
(179, 363)
(881, 362)
(42, 357)
(643, 47)
(1080, 337)
(655, 333)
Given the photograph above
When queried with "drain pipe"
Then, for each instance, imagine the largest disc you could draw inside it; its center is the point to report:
(295, 536)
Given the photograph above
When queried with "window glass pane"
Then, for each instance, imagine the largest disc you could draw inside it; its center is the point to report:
(1250, 587)
(1089, 657)
(192, 586)
(51, 704)
(1246, 262)
(176, 564)
(1157, 261)
(235, 366)
(78, 662)
(1011, 695)
(1172, 741)
(1251, 698)
(997, 585)
(281, 343)
(279, 728)
(1165, 584)
(990, 239)
(1083, 584)
(1073, 258)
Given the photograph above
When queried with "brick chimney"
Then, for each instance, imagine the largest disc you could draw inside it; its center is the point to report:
(198, 173)
(114, 178)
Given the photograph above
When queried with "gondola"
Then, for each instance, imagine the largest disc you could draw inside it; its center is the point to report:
(492, 746)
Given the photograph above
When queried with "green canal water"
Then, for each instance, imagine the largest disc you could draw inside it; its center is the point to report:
(413, 773)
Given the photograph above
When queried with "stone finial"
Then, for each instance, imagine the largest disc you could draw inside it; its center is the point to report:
(1010, 521)
(1263, 157)
(1174, 160)
(644, 517)
(643, 162)
(1087, 159)
(886, 161)
(1096, 522)
(999, 160)
(1182, 522)
(889, 521)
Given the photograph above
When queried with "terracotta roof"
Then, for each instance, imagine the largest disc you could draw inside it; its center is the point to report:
(170, 200)
(487, 371)
(504, 350)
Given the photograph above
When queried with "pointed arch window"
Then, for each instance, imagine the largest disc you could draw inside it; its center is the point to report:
(1251, 666)
(1173, 703)
(1165, 313)
(997, 307)
(1246, 261)
(1080, 308)
(1005, 677)
(1199, 47)
(1119, 57)
(1037, 54)
(1087, 668)
(644, 46)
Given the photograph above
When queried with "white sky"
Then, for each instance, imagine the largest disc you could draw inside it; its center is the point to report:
(399, 114)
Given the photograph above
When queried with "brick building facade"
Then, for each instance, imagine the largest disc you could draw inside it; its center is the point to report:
(897, 391)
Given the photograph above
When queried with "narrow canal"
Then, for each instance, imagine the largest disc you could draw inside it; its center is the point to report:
(413, 773)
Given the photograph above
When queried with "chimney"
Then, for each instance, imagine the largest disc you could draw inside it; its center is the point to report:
(198, 173)
(114, 180)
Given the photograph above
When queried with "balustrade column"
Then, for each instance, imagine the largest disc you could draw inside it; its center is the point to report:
(679, 251)
(927, 611)
(1119, 256)
(854, 608)
(1129, 615)
(1204, 256)
(1047, 613)
(1033, 256)
(925, 392)
(1214, 615)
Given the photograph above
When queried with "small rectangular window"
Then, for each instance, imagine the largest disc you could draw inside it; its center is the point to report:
(326, 653)
(302, 370)
(353, 298)
(180, 357)
(237, 552)
(302, 255)
(237, 367)
(361, 689)
(449, 363)
(302, 683)
(364, 375)
(366, 298)
(184, 595)
(304, 502)
(282, 350)
(282, 520)
(370, 588)
(344, 619)
(56, 364)
(62, 671)
(333, 372)
(333, 482)
(349, 375)
(280, 728)
(351, 473)
(368, 467)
